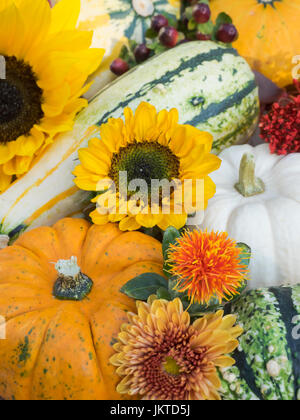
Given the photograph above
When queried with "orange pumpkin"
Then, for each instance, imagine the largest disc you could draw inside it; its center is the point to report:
(59, 349)
(269, 32)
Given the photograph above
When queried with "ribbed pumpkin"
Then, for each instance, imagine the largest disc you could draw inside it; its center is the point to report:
(269, 34)
(59, 349)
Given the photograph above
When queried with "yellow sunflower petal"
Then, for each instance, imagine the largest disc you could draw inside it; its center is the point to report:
(148, 220)
(93, 163)
(176, 220)
(144, 121)
(19, 165)
(36, 21)
(65, 15)
(7, 151)
(129, 223)
(5, 180)
(99, 219)
(56, 100)
(28, 145)
(11, 30)
(112, 135)
(60, 61)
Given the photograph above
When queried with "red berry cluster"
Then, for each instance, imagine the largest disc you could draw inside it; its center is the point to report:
(195, 24)
(281, 126)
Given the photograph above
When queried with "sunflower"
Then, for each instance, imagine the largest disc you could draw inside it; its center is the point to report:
(151, 148)
(207, 265)
(162, 356)
(46, 62)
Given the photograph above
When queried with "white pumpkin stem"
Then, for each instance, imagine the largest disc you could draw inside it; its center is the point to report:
(4, 240)
(249, 185)
(68, 268)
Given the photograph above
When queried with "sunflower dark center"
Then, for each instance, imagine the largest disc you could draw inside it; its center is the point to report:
(20, 100)
(146, 161)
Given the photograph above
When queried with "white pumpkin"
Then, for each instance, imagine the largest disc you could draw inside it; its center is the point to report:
(262, 209)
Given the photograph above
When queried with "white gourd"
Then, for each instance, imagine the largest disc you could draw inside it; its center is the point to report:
(269, 220)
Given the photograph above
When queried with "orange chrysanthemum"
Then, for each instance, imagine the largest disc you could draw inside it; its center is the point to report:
(207, 265)
(162, 356)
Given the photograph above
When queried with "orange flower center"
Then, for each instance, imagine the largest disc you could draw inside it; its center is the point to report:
(166, 368)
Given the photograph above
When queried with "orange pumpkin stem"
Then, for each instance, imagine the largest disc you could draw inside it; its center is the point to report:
(71, 283)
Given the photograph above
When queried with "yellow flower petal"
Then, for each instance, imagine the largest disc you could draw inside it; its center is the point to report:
(19, 165)
(65, 15)
(129, 223)
(5, 180)
(224, 361)
(36, 22)
(60, 59)
(176, 220)
(148, 220)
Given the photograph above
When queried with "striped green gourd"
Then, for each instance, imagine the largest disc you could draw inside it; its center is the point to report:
(212, 87)
(268, 359)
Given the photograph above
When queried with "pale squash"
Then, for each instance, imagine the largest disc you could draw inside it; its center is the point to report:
(262, 209)
(219, 96)
(114, 22)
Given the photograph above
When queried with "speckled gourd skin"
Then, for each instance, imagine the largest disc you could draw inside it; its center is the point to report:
(268, 358)
(56, 350)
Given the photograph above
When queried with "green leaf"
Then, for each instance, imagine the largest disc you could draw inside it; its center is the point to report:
(151, 34)
(245, 255)
(192, 25)
(132, 44)
(223, 18)
(163, 293)
(173, 23)
(160, 48)
(189, 12)
(170, 237)
(143, 286)
(206, 28)
(174, 294)
(127, 53)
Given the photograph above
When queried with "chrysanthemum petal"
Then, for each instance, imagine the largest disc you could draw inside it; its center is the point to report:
(224, 361)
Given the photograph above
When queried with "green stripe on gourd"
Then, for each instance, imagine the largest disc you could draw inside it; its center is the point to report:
(135, 15)
(215, 91)
(268, 359)
(201, 79)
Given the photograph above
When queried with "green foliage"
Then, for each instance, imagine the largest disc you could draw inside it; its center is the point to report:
(143, 286)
